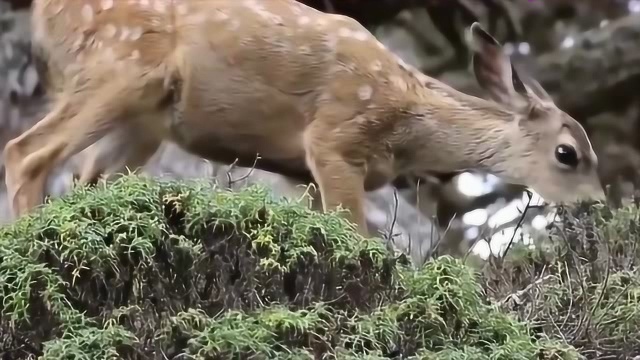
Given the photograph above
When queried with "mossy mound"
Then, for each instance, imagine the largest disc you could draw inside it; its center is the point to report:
(160, 269)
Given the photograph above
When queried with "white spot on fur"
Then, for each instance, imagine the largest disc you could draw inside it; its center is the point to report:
(87, 13)
(182, 9)
(110, 30)
(303, 20)
(135, 55)
(376, 66)
(398, 82)
(160, 6)
(442, 93)
(344, 32)
(365, 92)
(136, 33)
(234, 25)
(106, 4)
(332, 41)
(361, 35)
(109, 55)
(304, 49)
(321, 22)
(124, 33)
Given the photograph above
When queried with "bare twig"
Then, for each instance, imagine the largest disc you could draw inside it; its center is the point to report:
(519, 224)
(391, 235)
(232, 181)
(566, 267)
(518, 294)
(605, 283)
(577, 269)
(444, 234)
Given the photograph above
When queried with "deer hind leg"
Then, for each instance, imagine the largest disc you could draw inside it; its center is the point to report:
(340, 183)
(126, 148)
(74, 124)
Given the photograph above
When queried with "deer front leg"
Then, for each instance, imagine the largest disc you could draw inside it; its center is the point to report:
(340, 183)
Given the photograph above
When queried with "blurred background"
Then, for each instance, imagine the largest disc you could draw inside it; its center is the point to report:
(585, 53)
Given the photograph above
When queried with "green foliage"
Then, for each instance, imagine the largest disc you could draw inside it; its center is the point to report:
(146, 269)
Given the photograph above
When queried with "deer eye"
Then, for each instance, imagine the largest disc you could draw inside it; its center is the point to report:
(567, 155)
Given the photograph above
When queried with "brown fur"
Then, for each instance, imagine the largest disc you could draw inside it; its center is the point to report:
(311, 93)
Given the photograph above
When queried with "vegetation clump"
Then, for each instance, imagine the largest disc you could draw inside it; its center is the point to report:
(145, 269)
(582, 285)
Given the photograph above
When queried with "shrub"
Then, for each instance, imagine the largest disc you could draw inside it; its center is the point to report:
(582, 285)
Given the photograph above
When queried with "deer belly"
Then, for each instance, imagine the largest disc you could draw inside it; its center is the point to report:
(245, 153)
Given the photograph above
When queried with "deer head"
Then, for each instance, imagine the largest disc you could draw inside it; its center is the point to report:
(546, 149)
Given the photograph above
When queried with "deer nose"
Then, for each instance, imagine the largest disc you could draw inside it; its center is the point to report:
(593, 192)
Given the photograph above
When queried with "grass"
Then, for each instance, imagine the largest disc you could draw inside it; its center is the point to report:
(145, 269)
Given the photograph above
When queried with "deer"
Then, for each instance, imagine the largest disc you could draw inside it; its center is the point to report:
(316, 96)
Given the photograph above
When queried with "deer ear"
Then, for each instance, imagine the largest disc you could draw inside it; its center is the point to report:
(538, 90)
(493, 69)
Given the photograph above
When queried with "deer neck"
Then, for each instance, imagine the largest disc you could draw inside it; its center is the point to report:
(454, 132)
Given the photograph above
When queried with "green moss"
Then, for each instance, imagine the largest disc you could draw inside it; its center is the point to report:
(142, 268)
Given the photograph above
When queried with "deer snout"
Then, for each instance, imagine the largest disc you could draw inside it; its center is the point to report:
(591, 191)
(563, 192)
(588, 191)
